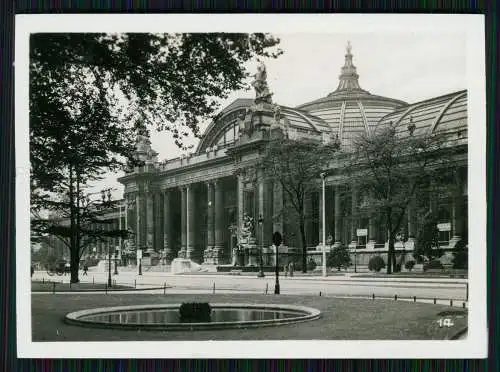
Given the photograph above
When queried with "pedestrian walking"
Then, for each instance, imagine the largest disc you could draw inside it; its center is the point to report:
(85, 269)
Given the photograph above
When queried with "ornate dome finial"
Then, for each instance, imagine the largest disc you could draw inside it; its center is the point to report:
(348, 79)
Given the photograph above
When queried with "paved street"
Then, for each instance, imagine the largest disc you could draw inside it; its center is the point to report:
(430, 288)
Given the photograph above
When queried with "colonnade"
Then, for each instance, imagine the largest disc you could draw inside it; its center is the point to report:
(346, 224)
(151, 211)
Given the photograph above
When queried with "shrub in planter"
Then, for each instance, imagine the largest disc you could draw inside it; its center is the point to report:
(339, 258)
(409, 265)
(195, 312)
(376, 264)
(433, 265)
(460, 256)
(311, 265)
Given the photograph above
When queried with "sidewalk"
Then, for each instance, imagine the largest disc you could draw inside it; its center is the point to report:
(344, 277)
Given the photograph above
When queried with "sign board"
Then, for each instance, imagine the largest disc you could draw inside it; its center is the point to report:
(444, 226)
(139, 254)
(361, 232)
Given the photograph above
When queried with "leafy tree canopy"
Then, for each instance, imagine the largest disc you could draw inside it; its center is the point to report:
(171, 81)
(296, 165)
(388, 168)
(90, 94)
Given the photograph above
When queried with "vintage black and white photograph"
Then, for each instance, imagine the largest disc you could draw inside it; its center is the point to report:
(238, 179)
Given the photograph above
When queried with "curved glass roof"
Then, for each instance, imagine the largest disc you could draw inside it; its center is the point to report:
(446, 113)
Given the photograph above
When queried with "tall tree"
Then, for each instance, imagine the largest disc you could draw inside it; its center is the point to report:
(427, 246)
(296, 165)
(390, 169)
(89, 93)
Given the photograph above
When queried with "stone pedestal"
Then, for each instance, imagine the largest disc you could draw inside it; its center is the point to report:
(454, 241)
(410, 244)
(370, 245)
(213, 256)
(252, 255)
(182, 265)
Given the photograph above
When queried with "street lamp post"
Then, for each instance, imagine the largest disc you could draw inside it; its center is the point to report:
(277, 239)
(109, 265)
(323, 222)
(116, 263)
(261, 263)
(139, 257)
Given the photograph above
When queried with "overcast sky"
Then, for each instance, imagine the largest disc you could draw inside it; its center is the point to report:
(406, 66)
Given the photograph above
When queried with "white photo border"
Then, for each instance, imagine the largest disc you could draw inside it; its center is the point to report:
(476, 343)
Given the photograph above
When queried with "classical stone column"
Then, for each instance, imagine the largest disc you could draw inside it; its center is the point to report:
(372, 233)
(240, 196)
(265, 208)
(139, 221)
(354, 215)
(268, 213)
(191, 228)
(457, 210)
(210, 216)
(167, 226)
(320, 217)
(182, 252)
(149, 219)
(278, 207)
(412, 222)
(338, 217)
(260, 208)
(308, 213)
(158, 221)
(329, 211)
(219, 216)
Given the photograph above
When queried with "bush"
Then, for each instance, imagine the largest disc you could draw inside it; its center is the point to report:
(339, 258)
(311, 265)
(195, 312)
(409, 265)
(376, 264)
(460, 256)
(433, 265)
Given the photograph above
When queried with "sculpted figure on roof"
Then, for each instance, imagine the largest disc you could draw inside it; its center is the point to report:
(262, 94)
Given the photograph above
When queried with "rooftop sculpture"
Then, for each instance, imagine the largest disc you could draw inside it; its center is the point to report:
(262, 94)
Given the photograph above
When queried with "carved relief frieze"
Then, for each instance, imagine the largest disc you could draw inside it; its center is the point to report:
(201, 175)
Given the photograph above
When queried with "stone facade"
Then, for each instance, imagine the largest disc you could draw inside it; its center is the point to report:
(193, 206)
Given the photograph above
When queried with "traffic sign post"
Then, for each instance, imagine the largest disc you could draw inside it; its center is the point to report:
(139, 258)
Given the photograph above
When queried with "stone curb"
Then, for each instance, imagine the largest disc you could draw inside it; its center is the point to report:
(308, 314)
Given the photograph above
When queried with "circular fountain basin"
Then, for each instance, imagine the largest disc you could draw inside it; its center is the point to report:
(166, 316)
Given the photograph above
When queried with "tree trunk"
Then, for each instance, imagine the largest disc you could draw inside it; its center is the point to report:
(304, 244)
(390, 254)
(73, 248)
(74, 266)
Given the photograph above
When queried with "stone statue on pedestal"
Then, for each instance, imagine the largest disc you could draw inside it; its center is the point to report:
(262, 94)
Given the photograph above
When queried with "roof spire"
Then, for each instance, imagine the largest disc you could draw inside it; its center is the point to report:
(348, 79)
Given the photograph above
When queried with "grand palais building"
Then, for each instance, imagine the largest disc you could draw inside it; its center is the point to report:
(193, 206)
